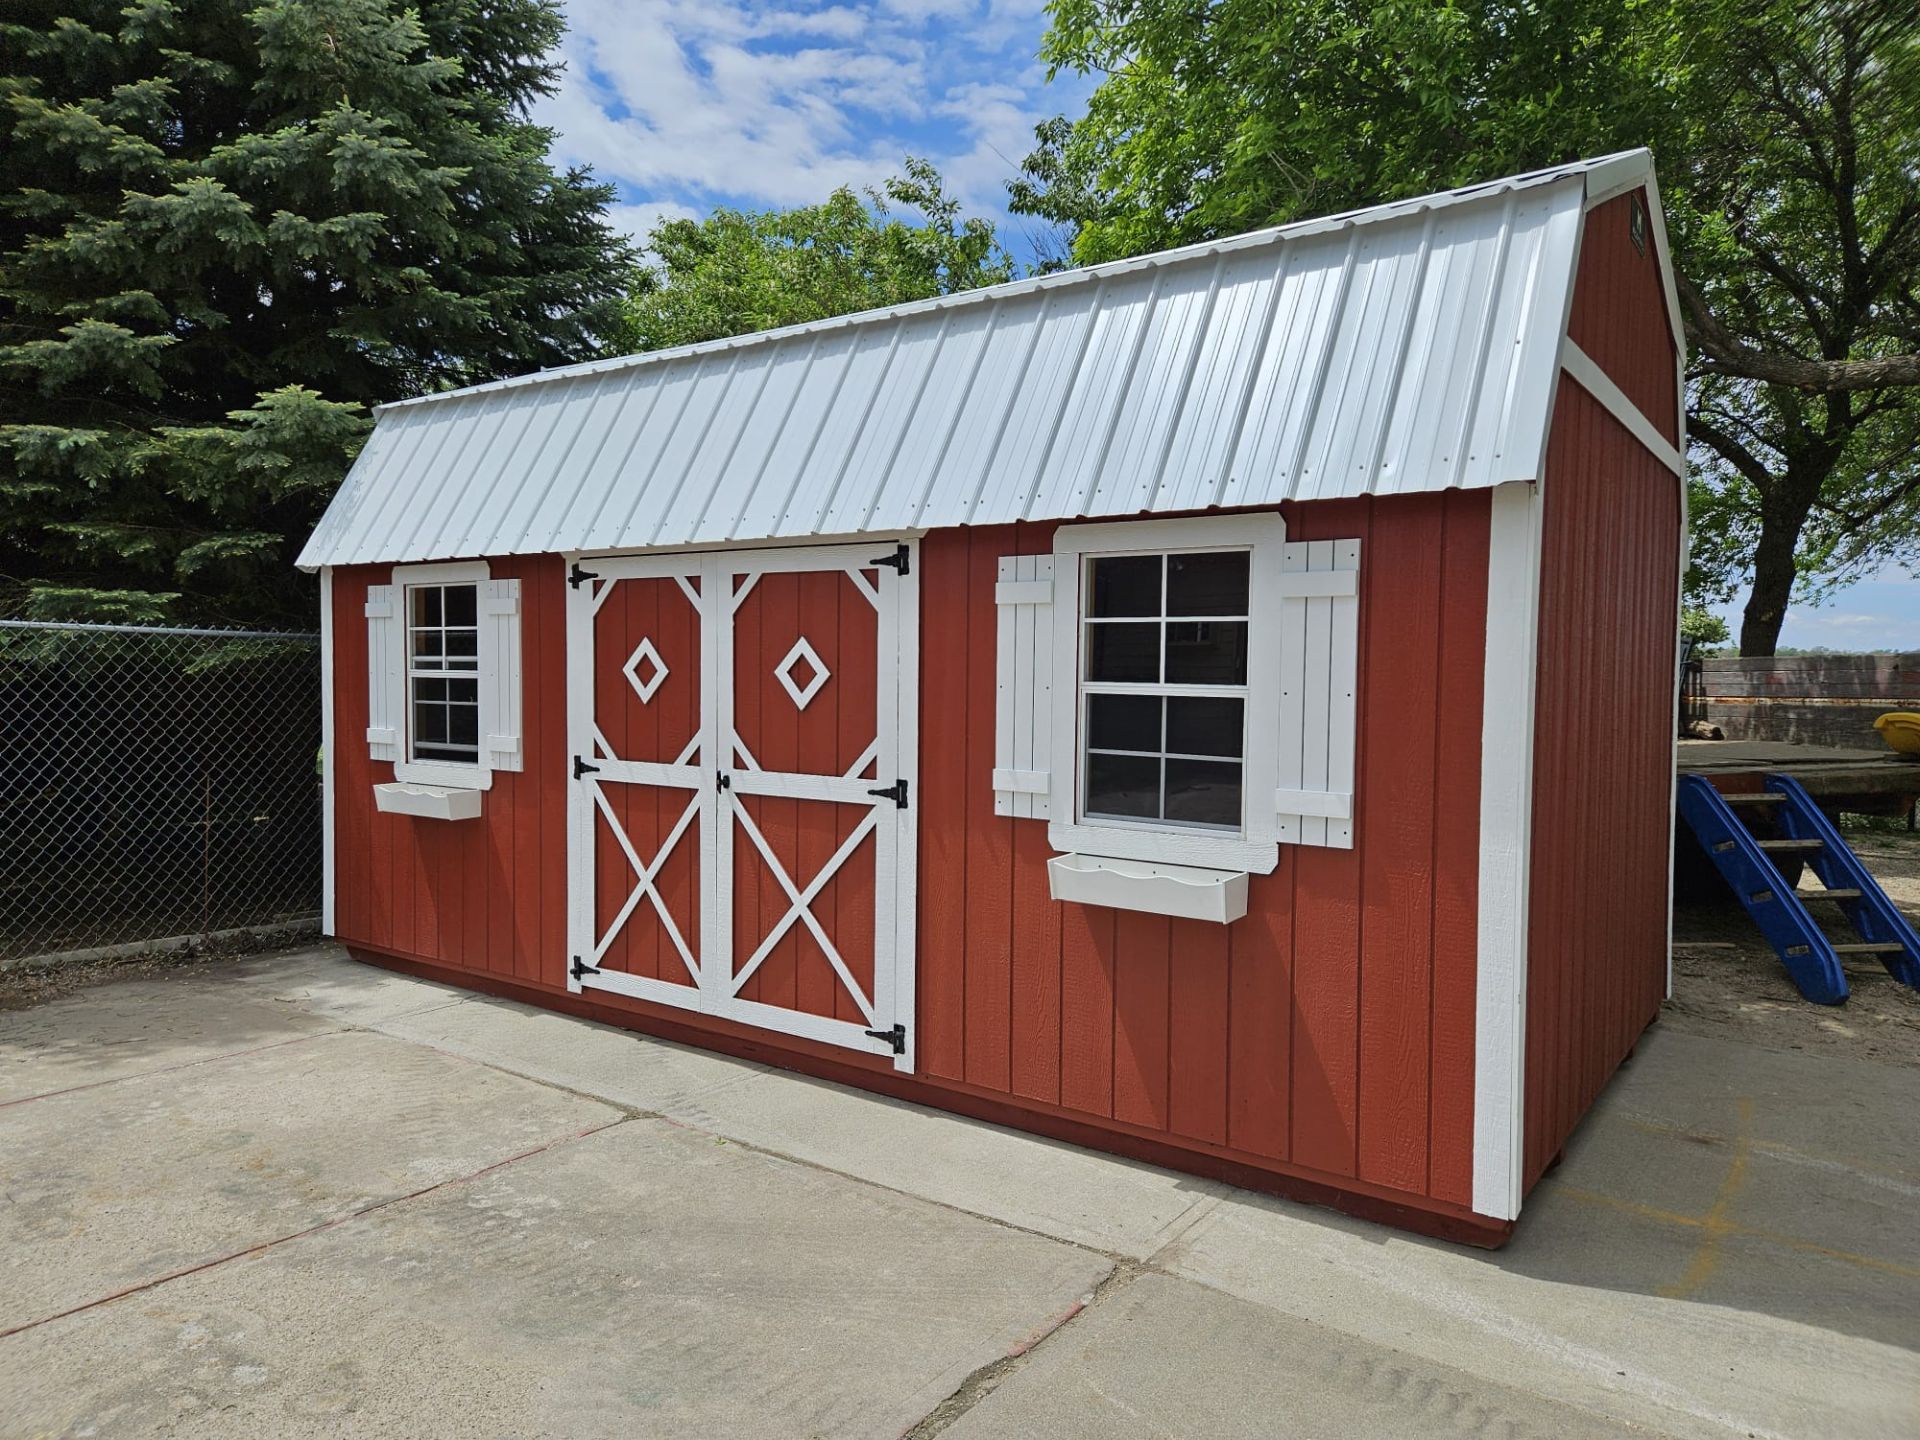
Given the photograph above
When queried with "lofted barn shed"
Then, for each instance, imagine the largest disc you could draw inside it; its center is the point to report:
(1215, 707)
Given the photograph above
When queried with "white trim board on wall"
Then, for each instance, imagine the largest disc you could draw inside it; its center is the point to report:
(1506, 838)
(329, 756)
(1596, 382)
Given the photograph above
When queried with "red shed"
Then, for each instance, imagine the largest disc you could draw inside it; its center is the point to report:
(1215, 707)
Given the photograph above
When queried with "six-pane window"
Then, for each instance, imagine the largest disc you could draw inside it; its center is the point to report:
(1164, 685)
(443, 665)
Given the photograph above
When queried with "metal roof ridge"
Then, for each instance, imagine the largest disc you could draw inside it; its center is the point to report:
(1035, 284)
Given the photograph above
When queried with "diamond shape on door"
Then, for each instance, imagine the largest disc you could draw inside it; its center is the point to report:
(656, 675)
(802, 692)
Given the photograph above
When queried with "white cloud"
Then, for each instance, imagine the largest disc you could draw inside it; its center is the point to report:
(638, 219)
(685, 103)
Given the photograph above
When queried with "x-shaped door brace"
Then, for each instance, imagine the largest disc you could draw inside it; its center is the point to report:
(801, 907)
(648, 874)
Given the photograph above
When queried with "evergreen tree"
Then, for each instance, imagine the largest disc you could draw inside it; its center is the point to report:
(226, 229)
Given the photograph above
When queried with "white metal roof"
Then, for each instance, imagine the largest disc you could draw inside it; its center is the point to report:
(1407, 347)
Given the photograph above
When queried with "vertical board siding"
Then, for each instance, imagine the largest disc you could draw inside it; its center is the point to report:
(486, 895)
(1329, 1034)
(1329, 1031)
(1603, 753)
(1619, 314)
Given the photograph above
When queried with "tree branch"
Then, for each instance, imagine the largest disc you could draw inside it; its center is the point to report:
(1750, 466)
(1722, 353)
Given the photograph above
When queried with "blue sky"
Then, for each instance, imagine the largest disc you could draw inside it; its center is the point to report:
(691, 104)
(1881, 613)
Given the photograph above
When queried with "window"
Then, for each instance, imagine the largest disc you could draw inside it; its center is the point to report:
(1164, 688)
(1163, 738)
(443, 673)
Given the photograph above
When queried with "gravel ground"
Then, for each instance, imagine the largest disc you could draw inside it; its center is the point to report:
(1727, 982)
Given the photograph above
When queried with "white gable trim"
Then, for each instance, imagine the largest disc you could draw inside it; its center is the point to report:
(1597, 383)
(1506, 838)
(1619, 175)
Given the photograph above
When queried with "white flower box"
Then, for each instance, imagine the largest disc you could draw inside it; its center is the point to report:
(1190, 892)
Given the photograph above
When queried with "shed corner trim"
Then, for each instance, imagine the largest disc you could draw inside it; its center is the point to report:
(1506, 836)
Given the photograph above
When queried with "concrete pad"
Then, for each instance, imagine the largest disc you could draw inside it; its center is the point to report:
(1819, 1148)
(1059, 1190)
(120, 1184)
(1165, 1357)
(115, 1031)
(632, 1070)
(645, 1281)
(1779, 1305)
(324, 981)
(1110, 1204)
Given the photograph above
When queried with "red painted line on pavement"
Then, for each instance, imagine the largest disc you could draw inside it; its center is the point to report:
(168, 1069)
(266, 1245)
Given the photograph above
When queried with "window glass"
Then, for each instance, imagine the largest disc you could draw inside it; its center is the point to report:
(1209, 583)
(1207, 652)
(1124, 786)
(1126, 585)
(1164, 683)
(443, 661)
(1123, 651)
(1124, 722)
(1203, 792)
(1205, 725)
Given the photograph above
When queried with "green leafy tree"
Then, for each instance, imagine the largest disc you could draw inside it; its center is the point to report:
(1788, 138)
(736, 272)
(226, 229)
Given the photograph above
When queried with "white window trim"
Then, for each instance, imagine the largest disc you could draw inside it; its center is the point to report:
(445, 773)
(1256, 848)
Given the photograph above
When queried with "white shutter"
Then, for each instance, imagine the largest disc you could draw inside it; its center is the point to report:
(500, 644)
(386, 678)
(1022, 731)
(1319, 674)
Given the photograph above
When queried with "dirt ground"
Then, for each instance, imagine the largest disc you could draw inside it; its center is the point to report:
(24, 986)
(1727, 982)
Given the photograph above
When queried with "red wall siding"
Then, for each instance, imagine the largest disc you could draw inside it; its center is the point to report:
(1619, 314)
(1327, 1036)
(487, 896)
(1603, 760)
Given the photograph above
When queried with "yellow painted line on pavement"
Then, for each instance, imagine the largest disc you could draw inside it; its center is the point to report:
(1718, 1221)
(1772, 1237)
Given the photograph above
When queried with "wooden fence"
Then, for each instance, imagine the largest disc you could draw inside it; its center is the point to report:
(1804, 699)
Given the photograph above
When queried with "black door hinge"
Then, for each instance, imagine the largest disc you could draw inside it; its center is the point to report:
(896, 1037)
(576, 577)
(722, 780)
(899, 560)
(580, 969)
(580, 767)
(896, 792)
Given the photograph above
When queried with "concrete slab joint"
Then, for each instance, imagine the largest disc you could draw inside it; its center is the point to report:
(319, 1175)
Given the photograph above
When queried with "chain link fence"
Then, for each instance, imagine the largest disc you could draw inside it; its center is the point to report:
(155, 783)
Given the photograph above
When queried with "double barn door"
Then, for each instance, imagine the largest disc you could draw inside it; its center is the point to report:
(741, 801)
